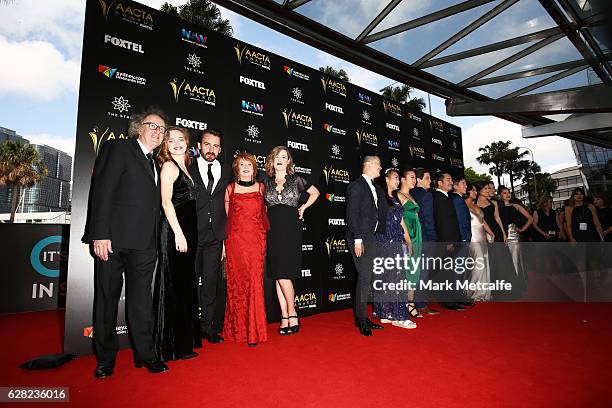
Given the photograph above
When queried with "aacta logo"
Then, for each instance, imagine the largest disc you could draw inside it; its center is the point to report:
(437, 125)
(252, 107)
(335, 245)
(193, 91)
(98, 138)
(366, 137)
(260, 160)
(297, 119)
(416, 151)
(334, 174)
(392, 108)
(193, 38)
(334, 86)
(292, 72)
(254, 57)
(118, 42)
(128, 13)
(306, 300)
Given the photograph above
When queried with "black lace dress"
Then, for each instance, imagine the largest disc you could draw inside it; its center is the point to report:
(284, 242)
(175, 298)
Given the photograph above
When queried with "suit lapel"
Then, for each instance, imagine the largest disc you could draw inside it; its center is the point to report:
(142, 159)
(364, 182)
(221, 178)
(194, 170)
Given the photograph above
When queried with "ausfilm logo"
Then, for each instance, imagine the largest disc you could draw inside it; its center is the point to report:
(334, 198)
(417, 151)
(329, 128)
(332, 173)
(436, 141)
(99, 136)
(252, 108)
(252, 82)
(244, 53)
(194, 38)
(393, 108)
(114, 73)
(366, 137)
(334, 108)
(191, 124)
(303, 170)
(121, 43)
(437, 125)
(130, 13)
(296, 74)
(392, 126)
(194, 62)
(296, 119)
(330, 84)
(438, 157)
(298, 146)
(364, 98)
(192, 91)
(336, 297)
(337, 222)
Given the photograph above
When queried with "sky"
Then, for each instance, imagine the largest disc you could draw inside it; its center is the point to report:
(41, 43)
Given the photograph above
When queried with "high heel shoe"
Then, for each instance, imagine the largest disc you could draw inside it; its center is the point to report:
(283, 330)
(296, 328)
(413, 311)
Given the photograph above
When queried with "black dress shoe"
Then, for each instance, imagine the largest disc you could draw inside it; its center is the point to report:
(103, 370)
(189, 356)
(364, 329)
(213, 338)
(373, 325)
(154, 367)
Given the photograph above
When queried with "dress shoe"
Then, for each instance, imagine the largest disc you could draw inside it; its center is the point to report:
(364, 329)
(295, 328)
(428, 311)
(213, 337)
(373, 325)
(189, 356)
(405, 324)
(103, 370)
(154, 366)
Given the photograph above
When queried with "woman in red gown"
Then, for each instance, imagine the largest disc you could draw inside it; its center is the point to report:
(245, 249)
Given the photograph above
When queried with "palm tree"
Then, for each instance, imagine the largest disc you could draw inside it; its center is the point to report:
(20, 166)
(494, 154)
(472, 177)
(514, 164)
(200, 12)
(401, 94)
(330, 71)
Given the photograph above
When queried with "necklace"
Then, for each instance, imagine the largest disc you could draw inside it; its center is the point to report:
(246, 183)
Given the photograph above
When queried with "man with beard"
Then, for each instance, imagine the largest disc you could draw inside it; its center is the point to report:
(211, 178)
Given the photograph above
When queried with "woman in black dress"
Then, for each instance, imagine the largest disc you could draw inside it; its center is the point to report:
(500, 260)
(546, 224)
(582, 221)
(284, 242)
(177, 329)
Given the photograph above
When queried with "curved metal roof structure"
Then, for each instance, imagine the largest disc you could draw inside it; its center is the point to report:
(515, 59)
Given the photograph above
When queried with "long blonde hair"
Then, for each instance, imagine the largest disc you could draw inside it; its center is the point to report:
(164, 155)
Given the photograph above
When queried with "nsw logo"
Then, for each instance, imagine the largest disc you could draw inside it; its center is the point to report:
(252, 108)
(194, 38)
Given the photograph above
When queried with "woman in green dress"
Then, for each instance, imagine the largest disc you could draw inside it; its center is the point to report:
(411, 220)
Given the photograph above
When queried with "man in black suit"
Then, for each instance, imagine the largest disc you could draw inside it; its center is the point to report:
(123, 228)
(366, 214)
(212, 178)
(447, 230)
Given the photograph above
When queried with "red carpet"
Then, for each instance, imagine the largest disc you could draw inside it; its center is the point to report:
(540, 355)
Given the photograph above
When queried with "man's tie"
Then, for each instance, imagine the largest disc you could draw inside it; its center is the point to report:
(151, 164)
(211, 179)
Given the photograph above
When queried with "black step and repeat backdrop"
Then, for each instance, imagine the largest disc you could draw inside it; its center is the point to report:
(135, 56)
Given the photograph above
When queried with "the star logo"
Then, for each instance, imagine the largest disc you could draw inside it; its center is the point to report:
(120, 104)
(194, 61)
(253, 131)
(335, 150)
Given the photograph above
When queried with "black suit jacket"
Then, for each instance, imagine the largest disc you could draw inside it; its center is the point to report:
(125, 200)
(362, 213)
(211, 207)
(447, 227)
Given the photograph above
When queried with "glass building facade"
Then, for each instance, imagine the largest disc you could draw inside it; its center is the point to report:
(596, 165)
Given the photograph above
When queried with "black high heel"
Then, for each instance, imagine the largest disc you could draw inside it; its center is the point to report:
(283, 330)
(412, 310)
(296, 328)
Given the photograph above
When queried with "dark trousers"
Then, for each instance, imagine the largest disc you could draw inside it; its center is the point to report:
(138, 267)
(212, 289)
(442, 275)
(421, 296)
(364, 267)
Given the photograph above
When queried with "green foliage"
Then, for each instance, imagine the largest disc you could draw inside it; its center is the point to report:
(332, 72)
(200, 12)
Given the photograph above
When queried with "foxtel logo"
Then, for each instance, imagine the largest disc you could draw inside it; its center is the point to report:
(392, 126)
(296, 145)
(334, 108)
(336, 221)
(436, 141)
(191, 124)
(118, 42)
(252, 82)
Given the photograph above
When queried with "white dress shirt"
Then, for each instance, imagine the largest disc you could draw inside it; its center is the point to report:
(216, 171)
(442, 191)
(146, 151)
(373, 190)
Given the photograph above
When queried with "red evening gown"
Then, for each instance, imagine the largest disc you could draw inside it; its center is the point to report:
(245, 249)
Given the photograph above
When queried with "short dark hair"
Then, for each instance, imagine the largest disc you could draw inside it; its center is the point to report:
(136, 119)
(408, 170)
(419, 172)
(501, 188)
(458, 179)
(440, 176)
(213, 132)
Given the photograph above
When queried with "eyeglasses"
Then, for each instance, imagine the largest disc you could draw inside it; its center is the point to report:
(155, 126)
